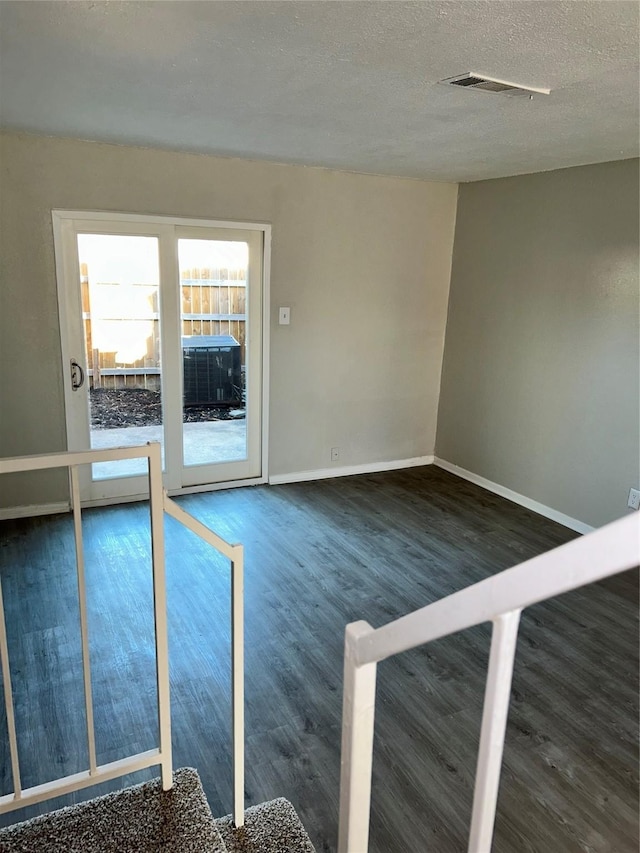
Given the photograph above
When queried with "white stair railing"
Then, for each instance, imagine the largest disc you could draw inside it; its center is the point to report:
(159, 503)
(499, 599)
(235, 554)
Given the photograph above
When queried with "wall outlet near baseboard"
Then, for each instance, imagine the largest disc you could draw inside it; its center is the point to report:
(634, 499)
(335, 454)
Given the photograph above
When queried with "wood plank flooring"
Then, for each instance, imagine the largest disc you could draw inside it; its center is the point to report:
(319, 555)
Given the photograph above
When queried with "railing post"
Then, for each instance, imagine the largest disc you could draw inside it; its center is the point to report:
(156, 510)
(84, 622)
(358, 709)
(237, 681)
(8, 703)
(504, 639)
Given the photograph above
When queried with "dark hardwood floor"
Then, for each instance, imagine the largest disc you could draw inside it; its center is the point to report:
(319, 555)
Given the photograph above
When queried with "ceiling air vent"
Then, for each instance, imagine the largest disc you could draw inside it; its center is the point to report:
(482, 83)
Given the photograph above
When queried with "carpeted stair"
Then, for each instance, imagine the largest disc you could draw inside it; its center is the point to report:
(146, 819)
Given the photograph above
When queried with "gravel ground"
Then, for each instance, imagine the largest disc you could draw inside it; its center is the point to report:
(111, 409)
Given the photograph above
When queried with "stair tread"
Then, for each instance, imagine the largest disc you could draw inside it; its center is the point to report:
(139, 819)
(146, 819)
(272, 827)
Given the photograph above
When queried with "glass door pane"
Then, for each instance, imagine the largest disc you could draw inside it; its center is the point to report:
(213, 296)
(120, 280)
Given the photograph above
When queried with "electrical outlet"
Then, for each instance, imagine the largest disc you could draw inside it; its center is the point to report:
(634, 499)
(335, 454)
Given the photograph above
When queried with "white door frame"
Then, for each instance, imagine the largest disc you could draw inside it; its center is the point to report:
(66, 258)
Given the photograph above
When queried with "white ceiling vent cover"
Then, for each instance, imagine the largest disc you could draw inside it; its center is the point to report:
(482, 83)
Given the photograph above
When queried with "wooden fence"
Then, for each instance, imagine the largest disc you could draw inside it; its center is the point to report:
(213, 303)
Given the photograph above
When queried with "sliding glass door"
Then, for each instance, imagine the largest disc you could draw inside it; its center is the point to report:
(161, 325)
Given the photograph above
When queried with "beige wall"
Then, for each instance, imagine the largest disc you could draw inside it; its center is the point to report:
(363, 261)
(541, 370)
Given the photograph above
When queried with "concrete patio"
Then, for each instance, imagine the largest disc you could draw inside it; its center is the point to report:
(204, 444)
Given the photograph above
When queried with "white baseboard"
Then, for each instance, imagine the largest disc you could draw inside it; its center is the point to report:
(33, 509)
(349, 470)
(7, 513)
(496, 488)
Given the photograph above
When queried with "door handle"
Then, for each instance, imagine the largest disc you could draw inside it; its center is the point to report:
(77, 375)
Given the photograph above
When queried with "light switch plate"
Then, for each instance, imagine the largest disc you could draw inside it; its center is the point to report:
(284, 316)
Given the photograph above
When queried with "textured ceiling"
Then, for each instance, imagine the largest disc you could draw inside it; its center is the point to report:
(347, 85)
